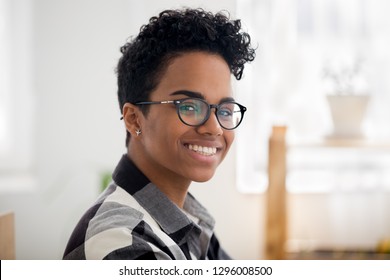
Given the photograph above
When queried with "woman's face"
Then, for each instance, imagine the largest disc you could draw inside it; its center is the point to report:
(171, 148)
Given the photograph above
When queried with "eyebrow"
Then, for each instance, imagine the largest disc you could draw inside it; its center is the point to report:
(194, 94)
(188, 93)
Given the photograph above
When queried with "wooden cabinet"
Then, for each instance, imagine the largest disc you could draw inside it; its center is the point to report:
(326, 166)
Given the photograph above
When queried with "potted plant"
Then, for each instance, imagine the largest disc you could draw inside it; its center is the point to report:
(347, 98)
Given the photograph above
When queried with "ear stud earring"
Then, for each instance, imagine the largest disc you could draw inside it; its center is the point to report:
(138, 132)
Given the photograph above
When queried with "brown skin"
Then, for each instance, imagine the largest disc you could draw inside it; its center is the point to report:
(161, 151)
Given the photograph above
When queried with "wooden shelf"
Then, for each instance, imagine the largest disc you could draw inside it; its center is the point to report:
(337, 254)
(341, 143)
(354, 150)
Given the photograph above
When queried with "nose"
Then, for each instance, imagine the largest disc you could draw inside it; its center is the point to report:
(211, 126)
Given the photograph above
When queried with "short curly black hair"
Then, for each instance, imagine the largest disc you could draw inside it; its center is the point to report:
(171, 34)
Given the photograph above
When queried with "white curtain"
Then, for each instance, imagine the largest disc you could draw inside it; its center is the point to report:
(297, 40)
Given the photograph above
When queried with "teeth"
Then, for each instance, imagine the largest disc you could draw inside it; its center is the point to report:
(206, 151)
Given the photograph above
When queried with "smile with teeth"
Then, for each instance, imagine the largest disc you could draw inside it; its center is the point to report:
(205, 151)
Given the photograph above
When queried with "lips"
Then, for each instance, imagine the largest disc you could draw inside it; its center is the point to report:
(203, 150)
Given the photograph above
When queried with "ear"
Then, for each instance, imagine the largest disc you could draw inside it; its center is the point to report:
(131, 118)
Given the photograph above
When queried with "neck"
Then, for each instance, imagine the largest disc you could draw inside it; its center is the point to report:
(171, 184)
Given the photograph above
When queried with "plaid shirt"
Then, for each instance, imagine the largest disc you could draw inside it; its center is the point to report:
(133, 219)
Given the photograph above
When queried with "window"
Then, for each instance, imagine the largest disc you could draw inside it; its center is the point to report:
(16, 103)
(285, 85)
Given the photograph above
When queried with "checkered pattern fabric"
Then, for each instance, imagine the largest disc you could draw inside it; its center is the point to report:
(133, 219)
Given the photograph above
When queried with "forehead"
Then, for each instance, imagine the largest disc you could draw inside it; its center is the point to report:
(206, 73)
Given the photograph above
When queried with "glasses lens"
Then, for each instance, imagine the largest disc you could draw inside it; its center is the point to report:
(193, 111)
(229, 115)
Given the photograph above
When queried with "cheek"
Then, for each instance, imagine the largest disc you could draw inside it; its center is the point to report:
(155, 122)
(229, 138)
(162, 130)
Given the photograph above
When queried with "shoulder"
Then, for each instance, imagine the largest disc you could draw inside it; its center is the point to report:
(117, 227)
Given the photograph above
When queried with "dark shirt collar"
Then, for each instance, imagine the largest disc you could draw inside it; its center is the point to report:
(128, 176)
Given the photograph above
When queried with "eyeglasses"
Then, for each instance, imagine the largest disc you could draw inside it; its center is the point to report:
(196, 112)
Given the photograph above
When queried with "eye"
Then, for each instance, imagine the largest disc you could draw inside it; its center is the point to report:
(226, 110)
(188, 108)
(225, 113)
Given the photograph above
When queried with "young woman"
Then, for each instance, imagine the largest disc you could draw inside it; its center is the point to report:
(175, 95)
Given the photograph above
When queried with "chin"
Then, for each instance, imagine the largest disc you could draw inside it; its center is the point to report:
(202, 178)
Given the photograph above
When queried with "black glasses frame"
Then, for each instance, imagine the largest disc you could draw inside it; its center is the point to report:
(210, 106)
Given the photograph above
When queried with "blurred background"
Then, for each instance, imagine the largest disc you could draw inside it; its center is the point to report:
(60, 133)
